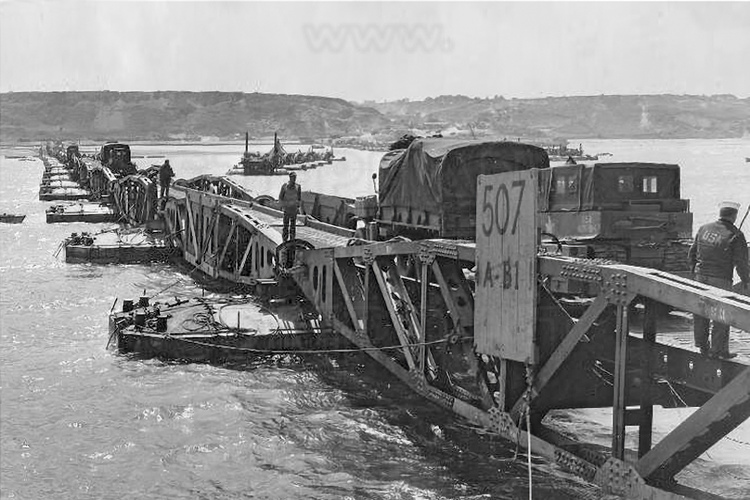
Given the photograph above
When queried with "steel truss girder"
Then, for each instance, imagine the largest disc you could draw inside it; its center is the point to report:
(134, 197)
(205, 213)
(400, 309)
(682, 293)
(615, 476)
(223, 186)
(729, 407)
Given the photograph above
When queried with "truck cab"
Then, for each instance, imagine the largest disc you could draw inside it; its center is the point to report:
(116, 157)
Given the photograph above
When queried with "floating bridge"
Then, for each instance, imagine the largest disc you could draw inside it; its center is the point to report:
(477, 328)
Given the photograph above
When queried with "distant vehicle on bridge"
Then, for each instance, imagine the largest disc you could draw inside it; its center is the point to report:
(116, 157)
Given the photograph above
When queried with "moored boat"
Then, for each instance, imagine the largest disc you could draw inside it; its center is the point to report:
(12, 218)
(217, 330)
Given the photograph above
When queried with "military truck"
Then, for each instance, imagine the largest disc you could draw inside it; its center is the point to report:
(429, 190)
(116, 157)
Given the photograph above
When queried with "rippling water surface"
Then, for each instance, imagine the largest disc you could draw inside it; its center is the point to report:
(79, 421)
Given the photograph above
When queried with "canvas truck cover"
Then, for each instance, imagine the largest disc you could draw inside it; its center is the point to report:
(606, 185)
(440, 175)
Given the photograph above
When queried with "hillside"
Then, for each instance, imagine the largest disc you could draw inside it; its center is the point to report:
(178, 115)
(636, 116)
(99, 116)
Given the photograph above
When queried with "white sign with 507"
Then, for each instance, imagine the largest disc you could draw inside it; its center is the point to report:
(506, 292)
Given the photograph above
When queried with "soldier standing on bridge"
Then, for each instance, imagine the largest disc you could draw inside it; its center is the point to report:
(718, 248)
(290, 197)
(165, 178)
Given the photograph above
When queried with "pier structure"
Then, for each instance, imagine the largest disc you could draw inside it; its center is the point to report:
(474, 326)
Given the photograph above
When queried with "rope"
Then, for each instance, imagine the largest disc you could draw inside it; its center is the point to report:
(528, 451)
(301, 351)
(518, 432)
(526, 415)
(735, 440)
(597, 369)
(527, 398)
(178, 280)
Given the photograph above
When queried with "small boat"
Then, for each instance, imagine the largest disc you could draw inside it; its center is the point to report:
(12, 218)
(747, 160)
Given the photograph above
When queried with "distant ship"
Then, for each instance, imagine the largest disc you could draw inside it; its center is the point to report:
(561, 152)
(277, 161)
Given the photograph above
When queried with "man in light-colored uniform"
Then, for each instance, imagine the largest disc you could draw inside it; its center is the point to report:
(290, 198)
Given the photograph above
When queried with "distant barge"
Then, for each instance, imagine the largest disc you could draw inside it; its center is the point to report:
(81, 212)
(115, 248)
(278, 162)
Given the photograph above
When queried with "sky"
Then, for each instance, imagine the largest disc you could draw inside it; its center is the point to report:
(377, 51)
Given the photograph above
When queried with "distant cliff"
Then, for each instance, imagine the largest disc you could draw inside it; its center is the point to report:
(178, 115)
(174, 115)
(628, 116)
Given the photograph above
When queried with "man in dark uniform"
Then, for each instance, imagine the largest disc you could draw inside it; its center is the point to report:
(290, 197)
(165, 178)
(718, 248)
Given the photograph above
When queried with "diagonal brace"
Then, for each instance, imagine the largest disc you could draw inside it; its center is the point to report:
(566, 346)
(701, 430)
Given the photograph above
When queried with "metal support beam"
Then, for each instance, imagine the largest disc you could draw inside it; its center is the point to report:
(389, 249)
(191, 226)
(248, 249)
(229, 241)
(351, 290)
(714, 303)
(447, 297)
(650, 314)
(701, 430)
(395, 318)
(366, 313)
(463, 317)
(208, 235)
(618, 402)
(400, 288)
(424, 288)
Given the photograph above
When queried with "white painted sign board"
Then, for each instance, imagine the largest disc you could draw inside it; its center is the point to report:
(506, 256)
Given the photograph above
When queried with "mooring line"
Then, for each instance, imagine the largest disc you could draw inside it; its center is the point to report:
(301, 351)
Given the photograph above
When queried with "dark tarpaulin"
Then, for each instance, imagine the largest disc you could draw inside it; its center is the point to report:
(440, 175)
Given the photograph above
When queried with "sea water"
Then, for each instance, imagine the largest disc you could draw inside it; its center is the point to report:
(78, 421)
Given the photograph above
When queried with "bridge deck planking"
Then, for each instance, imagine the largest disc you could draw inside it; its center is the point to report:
(317, 237)
(274, 219)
